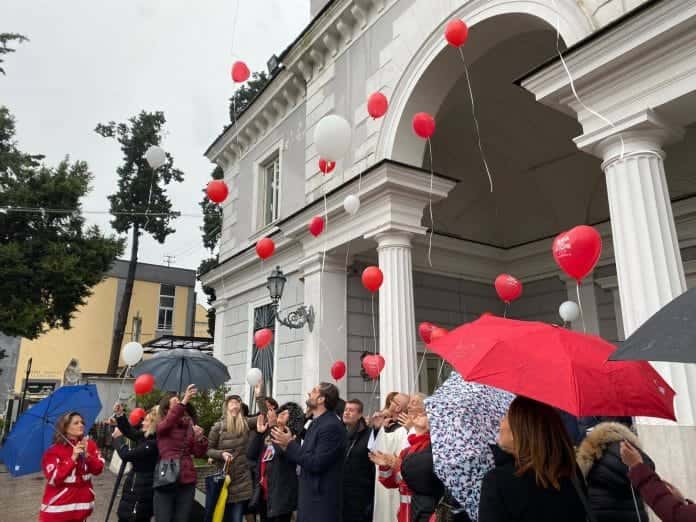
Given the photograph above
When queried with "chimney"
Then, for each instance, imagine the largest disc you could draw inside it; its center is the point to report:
(316, 5)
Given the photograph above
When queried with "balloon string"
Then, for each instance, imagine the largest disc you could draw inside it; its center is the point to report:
(374, 329)
(476, 122)
(373, 395)
(439, 373)
(420, 367)
(123, 381)
(430, 205)
(582, 314)
(505, 312)
(572, 82)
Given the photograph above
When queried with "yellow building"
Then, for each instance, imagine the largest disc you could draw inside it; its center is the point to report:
(163, 303)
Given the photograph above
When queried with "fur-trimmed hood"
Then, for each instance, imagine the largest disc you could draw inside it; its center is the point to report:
(595, 444)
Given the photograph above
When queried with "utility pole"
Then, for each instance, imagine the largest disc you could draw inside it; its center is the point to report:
(169, 260)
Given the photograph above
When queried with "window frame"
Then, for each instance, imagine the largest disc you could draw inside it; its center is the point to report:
(165, 308)
(271, 155)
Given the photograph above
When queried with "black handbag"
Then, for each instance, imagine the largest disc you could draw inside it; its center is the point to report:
(167, 470)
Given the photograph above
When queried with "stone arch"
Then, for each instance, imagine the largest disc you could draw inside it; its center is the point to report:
(419, 42)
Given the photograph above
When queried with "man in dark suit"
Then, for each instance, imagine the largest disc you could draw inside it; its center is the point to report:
(320, 457)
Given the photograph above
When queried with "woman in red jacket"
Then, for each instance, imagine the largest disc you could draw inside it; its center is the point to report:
(178, 437)
(68, 466)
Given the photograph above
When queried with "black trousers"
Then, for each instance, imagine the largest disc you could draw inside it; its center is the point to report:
(173, 504)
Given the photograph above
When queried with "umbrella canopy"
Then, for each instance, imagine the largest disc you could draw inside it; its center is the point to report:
(464, 419)
(33, 432)
(175, 369)
(566, 369)
(669, 335)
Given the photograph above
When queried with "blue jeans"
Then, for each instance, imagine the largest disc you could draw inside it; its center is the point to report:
(234, 512)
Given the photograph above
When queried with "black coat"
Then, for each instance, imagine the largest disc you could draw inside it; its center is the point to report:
(417, 471)
(609, 487)
(136, 496)
(358, 476)
(506, 497)
(321, 459)
(281, 473)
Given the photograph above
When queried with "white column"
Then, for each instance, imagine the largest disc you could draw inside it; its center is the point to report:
(650, 274)
(220, 307)
(397, 330)
(588, 300)
(325, 289)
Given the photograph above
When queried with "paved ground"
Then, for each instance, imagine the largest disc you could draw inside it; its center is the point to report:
(20, 497)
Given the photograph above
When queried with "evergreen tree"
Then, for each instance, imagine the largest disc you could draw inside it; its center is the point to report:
(5, 39)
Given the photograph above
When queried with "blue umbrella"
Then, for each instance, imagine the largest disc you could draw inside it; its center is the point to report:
(464, 419)
(34, 431)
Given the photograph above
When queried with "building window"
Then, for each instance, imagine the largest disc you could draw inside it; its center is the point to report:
(165, 316)
(269, 186)
(263, 359)
(137, 328)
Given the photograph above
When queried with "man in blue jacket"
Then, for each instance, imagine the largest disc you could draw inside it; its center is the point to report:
(320, 457)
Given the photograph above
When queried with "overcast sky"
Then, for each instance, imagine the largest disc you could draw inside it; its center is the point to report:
(94, 61)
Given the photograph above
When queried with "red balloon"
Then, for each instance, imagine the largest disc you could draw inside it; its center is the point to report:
(144, 384)
(424, 330)
(456, 32)
(263, 338)
(437, 333)
(509, 288)
(377, 105)
(136, 416)
(265, 247)
(373, 365)
(577, 251)
(316, 226)
(338, 370)
(217, 191)
(423, 125)
(326, 166)
(240, 72)
(372, 278)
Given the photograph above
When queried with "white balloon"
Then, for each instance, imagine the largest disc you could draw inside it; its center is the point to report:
(351, 204)
(254, 376)
(332, 137)
(132, 353)
(155, 156)
(569, 311)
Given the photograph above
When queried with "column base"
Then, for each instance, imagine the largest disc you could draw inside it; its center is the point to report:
(673, 449)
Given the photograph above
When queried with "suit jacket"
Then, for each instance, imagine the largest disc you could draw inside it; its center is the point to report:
(320, 457)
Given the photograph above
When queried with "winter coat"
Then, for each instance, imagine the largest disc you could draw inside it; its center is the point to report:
(358, 476)
(394, 478)
(609, 488)
(321, 459)
(137, 493)
(660, 499)
(221, 440)
(418, 472)
(507, 497)
(68, 494)
(176, 440)
(280, 472)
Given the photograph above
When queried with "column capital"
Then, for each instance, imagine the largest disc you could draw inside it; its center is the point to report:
(393, 238)
(644, 132)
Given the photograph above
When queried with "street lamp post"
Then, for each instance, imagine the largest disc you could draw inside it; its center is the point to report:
(296, 318)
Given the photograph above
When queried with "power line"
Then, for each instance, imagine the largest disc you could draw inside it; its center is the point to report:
(41, 210)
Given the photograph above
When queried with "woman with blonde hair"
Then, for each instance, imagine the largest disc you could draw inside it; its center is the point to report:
(227, 442)
(68, 466)
(136, 497)
(536, 478)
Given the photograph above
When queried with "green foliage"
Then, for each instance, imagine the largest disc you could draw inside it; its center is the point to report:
(212, 216)
(5, 39)
(141, 189)
(149, 400)
(208, 264)
(242, 97)
(209, 406)
(49, 261)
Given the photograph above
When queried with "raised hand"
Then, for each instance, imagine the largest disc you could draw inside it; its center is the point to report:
(191, 392)
(261, 424)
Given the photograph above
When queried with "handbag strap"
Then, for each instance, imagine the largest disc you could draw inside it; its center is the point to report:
(583, 498)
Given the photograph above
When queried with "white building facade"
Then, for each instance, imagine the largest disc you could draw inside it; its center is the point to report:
(624, 160)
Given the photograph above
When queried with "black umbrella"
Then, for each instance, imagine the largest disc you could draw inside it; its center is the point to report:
(174, 370)
(669, 335)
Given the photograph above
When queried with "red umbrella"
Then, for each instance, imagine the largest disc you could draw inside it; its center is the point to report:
(556, 366)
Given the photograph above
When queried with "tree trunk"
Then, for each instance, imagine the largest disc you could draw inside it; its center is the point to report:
(122, 318)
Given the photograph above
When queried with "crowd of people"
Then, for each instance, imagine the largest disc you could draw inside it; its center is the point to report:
(329, 462)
